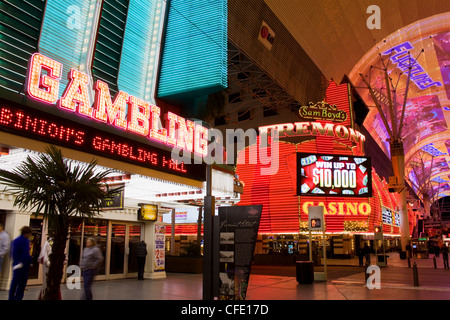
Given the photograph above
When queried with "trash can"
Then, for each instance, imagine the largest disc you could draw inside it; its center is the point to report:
(383, 258)
(305, 271)
(402, 255)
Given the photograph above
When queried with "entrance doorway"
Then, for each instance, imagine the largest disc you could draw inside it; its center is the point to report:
(125, 238)
(117, 240)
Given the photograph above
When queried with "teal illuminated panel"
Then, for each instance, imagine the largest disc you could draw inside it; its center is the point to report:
(108, 48)
(194, 59)
(141, 47)
(66, 34)
(20, 26)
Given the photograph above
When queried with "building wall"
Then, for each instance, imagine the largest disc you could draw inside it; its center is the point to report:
(286, 62)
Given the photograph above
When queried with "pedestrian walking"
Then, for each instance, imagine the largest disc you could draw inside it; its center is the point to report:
(445, 255)
(141, 254)
(20, 253)
(4, 245)
(360, 255)
(436, 250)
(44, 259)
(90, 263)
(366, 252)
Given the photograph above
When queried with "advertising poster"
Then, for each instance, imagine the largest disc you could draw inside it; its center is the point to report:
(148, 212)
(160, 262)
(238, 231)
(334, 175)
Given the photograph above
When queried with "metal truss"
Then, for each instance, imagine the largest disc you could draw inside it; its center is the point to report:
(253, 81)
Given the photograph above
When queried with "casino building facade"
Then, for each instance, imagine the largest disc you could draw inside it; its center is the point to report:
(113, 81)
(321, 162)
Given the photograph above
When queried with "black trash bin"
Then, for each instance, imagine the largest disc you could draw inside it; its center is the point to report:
(402, 255)
(305, 271)
(382, 258)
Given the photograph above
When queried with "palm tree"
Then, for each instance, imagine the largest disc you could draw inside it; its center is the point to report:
(59, 189)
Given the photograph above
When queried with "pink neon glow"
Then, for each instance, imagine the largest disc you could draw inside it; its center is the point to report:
(142, 118)
(114, 113)
(139, 114)
(76, 94)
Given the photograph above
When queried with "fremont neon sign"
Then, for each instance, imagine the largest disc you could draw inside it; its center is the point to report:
(299, 129)
(125, 111)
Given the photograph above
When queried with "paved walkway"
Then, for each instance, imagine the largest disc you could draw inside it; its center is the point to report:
(346, 281)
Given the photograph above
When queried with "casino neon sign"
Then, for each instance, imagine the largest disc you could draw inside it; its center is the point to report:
(125, 111)
(340, 208)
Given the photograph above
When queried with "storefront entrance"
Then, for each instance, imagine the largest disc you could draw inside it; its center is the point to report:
(118, 242)
(124, 241)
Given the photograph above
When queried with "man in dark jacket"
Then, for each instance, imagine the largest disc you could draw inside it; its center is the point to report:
(141, 254)
(21, 258)
(366, 252)
(445, 255)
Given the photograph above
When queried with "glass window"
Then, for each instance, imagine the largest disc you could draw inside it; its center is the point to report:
(117, 248)
(75, 241)
(99, 231)
(35, 246)
(134, 239)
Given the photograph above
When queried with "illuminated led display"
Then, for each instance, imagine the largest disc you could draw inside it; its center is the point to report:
(401, 57)
(439, 180)
(333, 175)
(431, 149)
(126, 112)
(390, 217)
(44, 127)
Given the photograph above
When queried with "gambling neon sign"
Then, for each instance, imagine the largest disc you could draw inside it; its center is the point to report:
(125, 111)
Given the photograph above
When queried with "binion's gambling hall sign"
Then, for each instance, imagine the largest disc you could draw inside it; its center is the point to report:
(126, 112)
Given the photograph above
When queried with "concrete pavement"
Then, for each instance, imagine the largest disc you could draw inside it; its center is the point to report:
(346, 281)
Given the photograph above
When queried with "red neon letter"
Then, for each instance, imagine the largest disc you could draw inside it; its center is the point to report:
(43, 88)
(76, 93)
(106, 110)
(171, 119)
(154, 132)
(139, 116)
(185, 134)
(201, 140)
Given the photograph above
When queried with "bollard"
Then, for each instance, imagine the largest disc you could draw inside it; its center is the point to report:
(415, 275)
(434, 262)
(409, 262)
